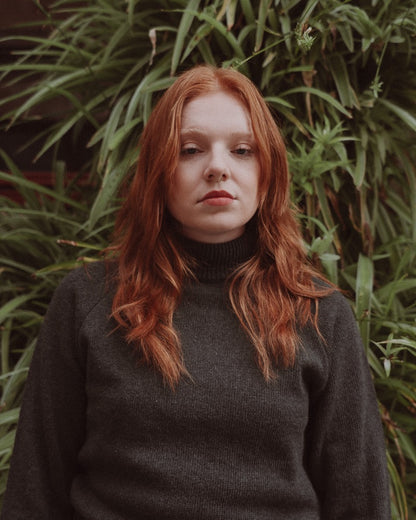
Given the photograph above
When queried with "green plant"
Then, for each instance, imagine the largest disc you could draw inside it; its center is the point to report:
(37, 244)
(340, 79)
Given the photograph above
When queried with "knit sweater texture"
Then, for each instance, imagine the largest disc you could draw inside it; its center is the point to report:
(101, 437)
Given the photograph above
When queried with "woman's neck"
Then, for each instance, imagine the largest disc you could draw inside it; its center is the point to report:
(215, 262)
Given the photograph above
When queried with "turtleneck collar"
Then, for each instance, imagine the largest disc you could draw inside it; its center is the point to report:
(214, 262)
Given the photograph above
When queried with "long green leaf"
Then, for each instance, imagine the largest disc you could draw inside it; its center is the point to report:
(261, 22)
(183, 30)
(364, 291)
(21, 181)
(319, 93)
(7, 309)
(405, 116)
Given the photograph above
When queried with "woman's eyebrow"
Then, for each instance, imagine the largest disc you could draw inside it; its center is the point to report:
(242, 135)
(189, 132)
(196, 132)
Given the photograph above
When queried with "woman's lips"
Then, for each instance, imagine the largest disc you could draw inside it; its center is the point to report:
(217, 198)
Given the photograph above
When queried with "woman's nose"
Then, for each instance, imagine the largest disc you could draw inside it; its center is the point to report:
(217, 169)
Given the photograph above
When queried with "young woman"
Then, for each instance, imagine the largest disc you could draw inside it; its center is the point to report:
(205, 370)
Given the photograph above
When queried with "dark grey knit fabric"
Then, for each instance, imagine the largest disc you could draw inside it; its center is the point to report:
(102, 438)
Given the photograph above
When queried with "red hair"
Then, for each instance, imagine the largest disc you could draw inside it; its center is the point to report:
(271, 294)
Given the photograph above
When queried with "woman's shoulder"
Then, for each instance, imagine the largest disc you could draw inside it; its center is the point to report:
(335, 309)
(86, 274)
(333, 298)
(337, 302)
(85, 286)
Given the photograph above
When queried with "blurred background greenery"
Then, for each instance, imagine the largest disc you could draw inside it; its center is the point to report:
(340, 78)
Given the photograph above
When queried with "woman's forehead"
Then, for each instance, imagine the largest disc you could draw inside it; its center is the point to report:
(218, 109)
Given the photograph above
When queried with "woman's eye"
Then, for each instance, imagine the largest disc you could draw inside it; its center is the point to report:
(192, 150)
(241, 150)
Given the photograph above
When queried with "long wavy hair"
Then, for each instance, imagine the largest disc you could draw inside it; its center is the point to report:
(273, 293)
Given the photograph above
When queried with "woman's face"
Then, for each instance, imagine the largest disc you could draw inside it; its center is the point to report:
(214, 190)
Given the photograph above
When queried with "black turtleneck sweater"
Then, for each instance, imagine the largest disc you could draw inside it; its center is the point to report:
(101, 438)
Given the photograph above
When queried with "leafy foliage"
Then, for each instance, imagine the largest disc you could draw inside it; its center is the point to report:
(341, 81)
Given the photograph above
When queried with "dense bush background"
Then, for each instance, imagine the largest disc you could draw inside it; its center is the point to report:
(340, 78)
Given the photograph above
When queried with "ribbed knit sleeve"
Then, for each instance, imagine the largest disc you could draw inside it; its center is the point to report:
(52, 422)
(345, 446)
